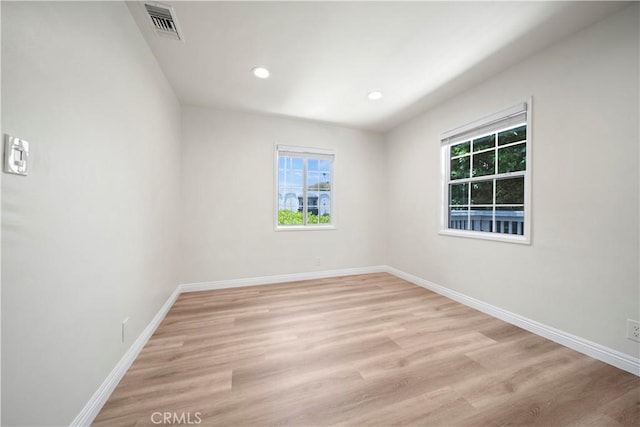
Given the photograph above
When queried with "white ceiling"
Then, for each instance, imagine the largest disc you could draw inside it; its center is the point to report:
(325, 57)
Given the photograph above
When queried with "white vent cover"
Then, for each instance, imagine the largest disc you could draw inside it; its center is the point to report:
(164, 21)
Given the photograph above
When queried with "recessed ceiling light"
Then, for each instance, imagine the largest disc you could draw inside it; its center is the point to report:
(260, 72)
(375, 95)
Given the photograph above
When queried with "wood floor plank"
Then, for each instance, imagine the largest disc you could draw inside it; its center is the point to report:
(365, 350)
(625, 410)
(384, 390)
(437, 408)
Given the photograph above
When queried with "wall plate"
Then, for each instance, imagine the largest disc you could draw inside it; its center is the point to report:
(16, 155)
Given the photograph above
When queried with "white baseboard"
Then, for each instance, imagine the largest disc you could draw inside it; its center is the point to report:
(281, 278)
(597, 351)
(591, 349)
(99, 398)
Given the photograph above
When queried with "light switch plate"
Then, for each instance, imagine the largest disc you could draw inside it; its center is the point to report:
(16, 155)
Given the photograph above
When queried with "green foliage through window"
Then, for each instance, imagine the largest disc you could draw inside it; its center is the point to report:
(287, 217)
(494, 203)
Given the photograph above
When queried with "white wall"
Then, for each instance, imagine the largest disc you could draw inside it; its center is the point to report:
(89, 237)
(581, 272)
(228, 198)
(116, 212)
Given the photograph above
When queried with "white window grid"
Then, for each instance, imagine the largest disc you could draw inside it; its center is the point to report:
(306, 154)
(488, 177)
(503, 231)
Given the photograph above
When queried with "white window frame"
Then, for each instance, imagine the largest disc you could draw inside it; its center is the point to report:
(452, 137)
(305, 153)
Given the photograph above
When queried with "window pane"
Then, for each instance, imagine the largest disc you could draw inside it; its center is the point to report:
(484, 142)
(290, 201)
(324, 207)
(290, 190)
(459, 194)
(458, 216)
(287, 217)
(481, 219)
(510, 191)
(318, 181)
(314, 181)
(318, 191)
(460, 168)
(312, 208)
(512, 159)
(510, 220)
(290, 162)
(482, 193)
(460, 149)
(484, 163)
(512, 135)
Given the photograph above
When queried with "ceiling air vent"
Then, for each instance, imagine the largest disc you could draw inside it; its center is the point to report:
(164, 20)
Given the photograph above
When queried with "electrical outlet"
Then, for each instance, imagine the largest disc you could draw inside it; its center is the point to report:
(124, 329)
(633, 330)
(316, 261)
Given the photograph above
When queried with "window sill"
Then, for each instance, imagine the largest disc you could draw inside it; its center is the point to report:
(508, 238)
(304, 227)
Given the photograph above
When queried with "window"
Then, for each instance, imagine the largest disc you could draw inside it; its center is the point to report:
(304, 188)
(486, 166)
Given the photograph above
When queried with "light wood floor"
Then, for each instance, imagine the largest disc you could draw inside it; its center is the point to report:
(368, 350)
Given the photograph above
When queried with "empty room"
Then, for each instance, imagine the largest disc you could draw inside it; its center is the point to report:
(320, 213)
